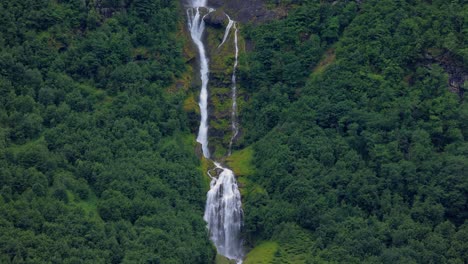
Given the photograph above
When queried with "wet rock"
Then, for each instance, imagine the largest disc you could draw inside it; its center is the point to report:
(217, 19)
(216, 3)
(254, 11)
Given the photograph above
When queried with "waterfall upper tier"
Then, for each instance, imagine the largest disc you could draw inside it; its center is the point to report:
(198, 3)
(197, 27)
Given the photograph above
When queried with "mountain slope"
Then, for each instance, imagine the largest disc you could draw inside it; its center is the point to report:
(96, 159)
(358, 138)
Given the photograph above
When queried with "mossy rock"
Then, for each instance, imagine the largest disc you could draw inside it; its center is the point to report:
(217, 19)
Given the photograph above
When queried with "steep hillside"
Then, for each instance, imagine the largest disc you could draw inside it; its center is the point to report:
(96, 158)
(357, 122)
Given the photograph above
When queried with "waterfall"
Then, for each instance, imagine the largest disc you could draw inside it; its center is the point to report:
(234, 126)
(228, 29)
(223, 211)
(197, 27)
(198, 3)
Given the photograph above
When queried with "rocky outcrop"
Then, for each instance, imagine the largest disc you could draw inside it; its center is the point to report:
(217, 19)
(254, 11)
(221, 59)
(458, 73)
(107, 9)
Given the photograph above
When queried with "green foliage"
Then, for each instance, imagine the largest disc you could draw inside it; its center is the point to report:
(91, 166)
(241, 162)
(263, 253)
(365, 158)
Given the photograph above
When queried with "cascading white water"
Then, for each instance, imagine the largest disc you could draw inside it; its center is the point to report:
(234, 126)
(223, 212)
(198, 3)
(197, 27)
(228, 29)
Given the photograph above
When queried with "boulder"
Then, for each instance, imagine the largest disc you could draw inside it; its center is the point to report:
(216, 19)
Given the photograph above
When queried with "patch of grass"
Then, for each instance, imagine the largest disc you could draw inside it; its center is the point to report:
(291, 246)
(89, 205)
(38, 144)
(205, 165)
(264, 253)
(295, 244)
(191, 104)
(241, 162)
(326, 61)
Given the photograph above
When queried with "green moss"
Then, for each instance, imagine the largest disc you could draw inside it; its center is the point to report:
(221, 67)
(221, 100)
(264, 253)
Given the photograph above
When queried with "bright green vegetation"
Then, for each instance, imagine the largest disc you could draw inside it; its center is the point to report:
(96, 156)
(221, 68)
(357, 140)
(262, 254)
(353, 146)
(241, 162)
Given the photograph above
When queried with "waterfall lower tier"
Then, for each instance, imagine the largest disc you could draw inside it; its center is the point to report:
(223, 213)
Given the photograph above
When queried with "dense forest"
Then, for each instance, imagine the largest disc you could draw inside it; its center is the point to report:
(359, 140)
(353, 133)
(96, 160)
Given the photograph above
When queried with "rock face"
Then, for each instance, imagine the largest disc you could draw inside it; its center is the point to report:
(221, 61)
(245, 11)
(216, 19)
(458, 74)
(107, 9)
